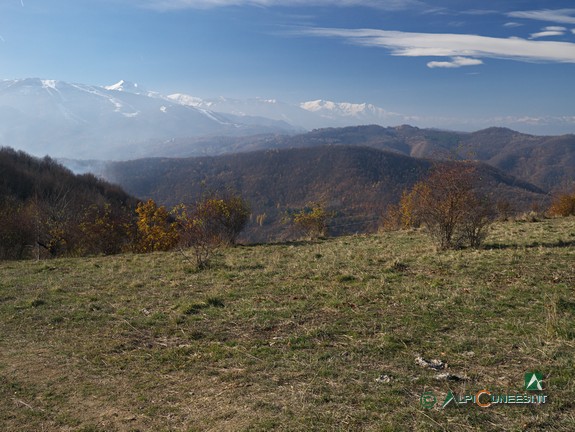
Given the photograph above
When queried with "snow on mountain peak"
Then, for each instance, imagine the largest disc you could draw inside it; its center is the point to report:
(48, 84)
(316, 105)
(126, 86)
(340, 108)
(184, 99)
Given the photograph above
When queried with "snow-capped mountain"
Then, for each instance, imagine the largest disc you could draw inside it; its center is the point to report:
(127, 86)
(256, 107)
(83, 121)
(307, 115)
(125, 120)
(345, 112)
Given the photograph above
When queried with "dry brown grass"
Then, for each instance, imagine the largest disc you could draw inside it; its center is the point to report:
(291, 337)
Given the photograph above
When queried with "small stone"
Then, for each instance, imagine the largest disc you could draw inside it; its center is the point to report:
(434, 364)
(383, 379)
(446, 376)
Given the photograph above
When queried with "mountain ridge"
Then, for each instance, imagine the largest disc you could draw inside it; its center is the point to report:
(83, 121)
(546, 161)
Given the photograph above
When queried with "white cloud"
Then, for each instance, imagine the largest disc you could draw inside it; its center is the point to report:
(453, 45)
(549, 31)
(205, 4)
(512, 24)
(455, 62)
(546, 34)
(565, 16)
(480, 12)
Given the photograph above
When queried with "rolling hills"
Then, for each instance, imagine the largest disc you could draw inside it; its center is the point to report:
(356, 183)
(546, 161)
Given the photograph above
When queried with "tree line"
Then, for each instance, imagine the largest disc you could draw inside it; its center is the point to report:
(47, 211)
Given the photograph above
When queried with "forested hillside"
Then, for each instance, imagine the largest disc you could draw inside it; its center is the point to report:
(546, 161)
(355, 183)
(47, 210)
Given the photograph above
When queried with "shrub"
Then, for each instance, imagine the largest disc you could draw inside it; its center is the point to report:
(229, 216)
(209, 224)
(196, 233)
(105, 230)
(449, 206)
(155, 230)
(563, 205)
(311, 220)
(402, 215)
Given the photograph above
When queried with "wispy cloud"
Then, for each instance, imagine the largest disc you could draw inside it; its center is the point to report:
(453, 46)
(545, 34)
(549, 31)
(564, 16)
(512, 24)
(205, 4)
(455, 62)
(480, 12)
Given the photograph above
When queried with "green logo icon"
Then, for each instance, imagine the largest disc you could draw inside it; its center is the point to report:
(448, 399)
(533, 381)
(428, 400)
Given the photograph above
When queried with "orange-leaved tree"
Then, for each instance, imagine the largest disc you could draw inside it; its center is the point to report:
(105, 230)
(156, 231)
(563, 204)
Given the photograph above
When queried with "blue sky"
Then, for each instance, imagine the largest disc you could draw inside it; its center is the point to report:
(449, 63)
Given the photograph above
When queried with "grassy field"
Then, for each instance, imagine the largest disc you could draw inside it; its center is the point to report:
(293, 337)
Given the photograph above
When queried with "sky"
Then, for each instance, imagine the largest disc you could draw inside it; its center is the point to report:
(458, 64)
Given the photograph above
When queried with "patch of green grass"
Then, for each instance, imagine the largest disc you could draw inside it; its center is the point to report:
(292, 337)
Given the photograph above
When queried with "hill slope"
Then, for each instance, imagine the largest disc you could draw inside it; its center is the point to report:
(43, 203)
(546, 161)
(357, 183)
(316, 336)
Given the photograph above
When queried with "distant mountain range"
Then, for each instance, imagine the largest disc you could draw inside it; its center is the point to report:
(260, 148)
(81, 121)
(306, 115)
(125, 120)
(545, 161)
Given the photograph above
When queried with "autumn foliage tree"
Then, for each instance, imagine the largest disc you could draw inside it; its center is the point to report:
(448, 204)
(211, 223)
(563, 205)
(105, 230)
(312, 220)
(155, 229)
(403, 215)
(228, 216)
